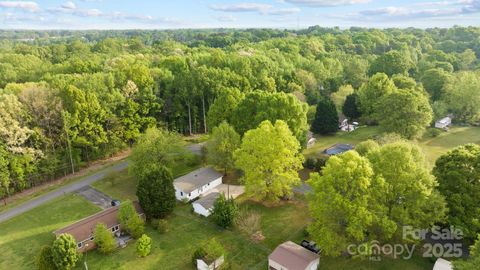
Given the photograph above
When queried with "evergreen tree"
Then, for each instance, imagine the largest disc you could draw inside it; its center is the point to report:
(350, 108)
(224, 211)
(156, 193)
(326, 117)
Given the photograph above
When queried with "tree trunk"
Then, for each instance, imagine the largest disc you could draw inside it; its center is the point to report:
(189, 120)
(204, 118)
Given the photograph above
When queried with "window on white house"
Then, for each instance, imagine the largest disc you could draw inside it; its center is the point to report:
(113, 229)
(189, 194)
(91, 238)
(80, 245)
(181, 193)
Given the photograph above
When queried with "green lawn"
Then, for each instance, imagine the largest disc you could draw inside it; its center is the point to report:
(22, 236)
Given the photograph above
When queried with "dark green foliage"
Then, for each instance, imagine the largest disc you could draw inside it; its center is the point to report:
(326, 117)
(156, 193)
(458, 175)
(44, 260)
(224, 211)
(350, 108)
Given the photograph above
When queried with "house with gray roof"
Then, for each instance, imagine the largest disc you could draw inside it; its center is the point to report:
(192, 185)
(204, 205)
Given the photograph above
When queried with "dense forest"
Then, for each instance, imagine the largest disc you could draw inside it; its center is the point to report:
(71, 97)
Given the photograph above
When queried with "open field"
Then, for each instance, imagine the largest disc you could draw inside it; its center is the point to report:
(22, 236)
(432, 147)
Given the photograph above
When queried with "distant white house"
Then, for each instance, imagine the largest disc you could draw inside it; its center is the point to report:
(444, 122)
(344, 125)
(196, 183)
(442, 264)
(310, 139)
(290, 256)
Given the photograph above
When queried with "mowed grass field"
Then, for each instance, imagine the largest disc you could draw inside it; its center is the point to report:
(22, 236)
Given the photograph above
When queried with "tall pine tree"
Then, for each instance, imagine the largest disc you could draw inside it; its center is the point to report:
(350, 108)
(326, 117)
(156, 193)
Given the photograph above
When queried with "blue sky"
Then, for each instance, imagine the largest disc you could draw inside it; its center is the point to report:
(171, 14)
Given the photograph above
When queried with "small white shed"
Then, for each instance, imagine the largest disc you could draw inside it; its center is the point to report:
(196, 183)
(204, 205)
(444, 122)
(442, 264)
(202, 265)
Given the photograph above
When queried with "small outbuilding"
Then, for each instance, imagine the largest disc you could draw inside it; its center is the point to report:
(290, 256)
(196, 183)
(442, 264)
(444, 123)
(204, 205)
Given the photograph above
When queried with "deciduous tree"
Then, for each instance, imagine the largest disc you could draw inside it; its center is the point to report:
(64, 252)
(225, 210)
(221, 145)
(270, 159)
(104, 239)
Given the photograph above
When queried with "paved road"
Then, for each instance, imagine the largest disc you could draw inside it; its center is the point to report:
(86, 181)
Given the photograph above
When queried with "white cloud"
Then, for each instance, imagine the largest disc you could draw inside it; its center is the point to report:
(69, 5)
(283, 11)
(22, 5)
(242, 7)
(326, 3)
(226, 18)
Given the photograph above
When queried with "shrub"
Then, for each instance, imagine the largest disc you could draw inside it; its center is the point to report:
(144, 245)
(160, 225)
(321, 161)
(365, 147)
(64, 252)
(432, 132)
(104, 239)
(310, 163)
(248, 222)
(129, 219)
(44, 259)
(224, 211)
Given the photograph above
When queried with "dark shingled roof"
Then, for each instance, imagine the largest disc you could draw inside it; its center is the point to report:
(196, 179)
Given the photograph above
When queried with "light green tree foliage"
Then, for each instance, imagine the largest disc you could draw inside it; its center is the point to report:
(339, 204)
(154, 149)
(406, 112)
(14, 132)
(462, 95)
(144, 245)
(340, 96)
(64, 252)
(221, 145)
(270, 159)
(129, 219)
(458, 173)
(473, 261)
(223, 106)
(259, 106)
(104, 239)
(366, 147)
(371, 93)
(4, 174)
(390, 63)
(409, 196)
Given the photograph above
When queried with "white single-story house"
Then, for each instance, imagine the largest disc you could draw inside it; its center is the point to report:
(442, 264)
(290, 256)
(196, 183)
(204, 205)
(444, 122)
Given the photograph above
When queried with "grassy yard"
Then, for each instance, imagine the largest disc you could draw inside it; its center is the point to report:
(22, 236)
(432, 147)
